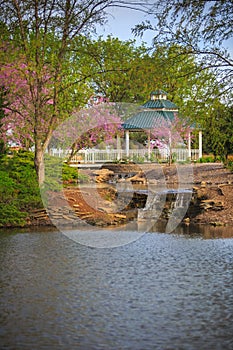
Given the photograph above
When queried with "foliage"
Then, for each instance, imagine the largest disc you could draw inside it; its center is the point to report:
(59, 174)
(19, 190)
(50, 67)
(138, 159)
(200, 28)
(230, 166)
(2, 143)
(71, 175)
(218, 126)
(121, 64)
(89, 127)
(43, 36)
(169, 134)
(207, 159)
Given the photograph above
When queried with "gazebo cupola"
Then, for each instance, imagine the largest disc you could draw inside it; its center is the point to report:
(159, 102)
(158, 95)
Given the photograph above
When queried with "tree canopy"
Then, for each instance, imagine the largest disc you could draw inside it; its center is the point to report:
(42, 34)
(201, 28)
(50, 66)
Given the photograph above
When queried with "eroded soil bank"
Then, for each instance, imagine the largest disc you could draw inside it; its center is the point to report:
(103, 204)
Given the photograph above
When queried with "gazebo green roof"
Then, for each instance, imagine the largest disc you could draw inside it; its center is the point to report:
(147, 120)
(158, 92)
(154, 112)
(160, 104)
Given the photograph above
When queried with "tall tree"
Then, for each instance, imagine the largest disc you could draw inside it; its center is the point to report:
(218, 135)
(115, 66)
(42, 34)
(201, 28)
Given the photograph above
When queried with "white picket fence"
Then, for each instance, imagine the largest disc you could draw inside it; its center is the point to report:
(137, 155)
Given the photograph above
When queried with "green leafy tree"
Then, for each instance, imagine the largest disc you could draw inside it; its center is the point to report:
(115, 66)
(42, 34)
(218, 135)
(201, 28)
(192, 93)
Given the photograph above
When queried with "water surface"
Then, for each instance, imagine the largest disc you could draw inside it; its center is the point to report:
(163, 291)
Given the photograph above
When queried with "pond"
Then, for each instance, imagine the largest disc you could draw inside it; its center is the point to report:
(161, 291)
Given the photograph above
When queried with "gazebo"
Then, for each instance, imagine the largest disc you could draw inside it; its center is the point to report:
(152, 113)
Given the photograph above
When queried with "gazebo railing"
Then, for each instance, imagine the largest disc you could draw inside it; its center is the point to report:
(136, 155)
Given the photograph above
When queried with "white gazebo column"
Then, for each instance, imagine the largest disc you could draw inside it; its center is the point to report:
(149, 150)
(127, 143)
(118, 147)
(189, 146)
(200, 144)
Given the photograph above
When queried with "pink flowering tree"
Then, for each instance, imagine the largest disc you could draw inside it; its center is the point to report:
(34, 105)
(88, 127)
(20, 97)
(169, 134)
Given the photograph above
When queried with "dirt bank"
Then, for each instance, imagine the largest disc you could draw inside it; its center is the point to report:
(212, 186)
(102, 205)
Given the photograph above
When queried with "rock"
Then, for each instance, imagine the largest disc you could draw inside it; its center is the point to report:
(152, 182)
(186, 220)
(67, 217)
(103, 175)
(138, 178)
(201, 193)
(103, 172)
(120, 216)
(217, 223)
(211, 204)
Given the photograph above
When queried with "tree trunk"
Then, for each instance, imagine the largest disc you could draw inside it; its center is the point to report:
(39, 165)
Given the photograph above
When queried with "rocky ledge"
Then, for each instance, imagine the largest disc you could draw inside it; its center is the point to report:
(211, 201)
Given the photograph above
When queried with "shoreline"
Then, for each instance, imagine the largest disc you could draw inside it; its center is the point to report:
(211, 203)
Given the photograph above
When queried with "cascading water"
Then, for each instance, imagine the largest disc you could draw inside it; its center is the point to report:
(171, 205)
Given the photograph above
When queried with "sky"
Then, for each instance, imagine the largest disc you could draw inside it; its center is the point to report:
(120, 23)
(122, 20)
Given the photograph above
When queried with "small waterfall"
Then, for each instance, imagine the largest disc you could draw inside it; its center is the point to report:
(154, 206)
(152, 201)
(180, 198)
(171, 205)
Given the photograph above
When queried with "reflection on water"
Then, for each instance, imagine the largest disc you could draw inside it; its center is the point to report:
(163, 291)
(202, 231)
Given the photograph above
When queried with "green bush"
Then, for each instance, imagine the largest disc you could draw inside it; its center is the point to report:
(58, 174)
(19, 190)
(230, 165)
(206, 159)
(138, 159)
(209, 159)
(71, 174)
(11, 215)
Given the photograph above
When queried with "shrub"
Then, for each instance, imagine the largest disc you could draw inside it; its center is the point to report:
(206, 159)
(19, 190)
(138, 159)
(230, 165)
